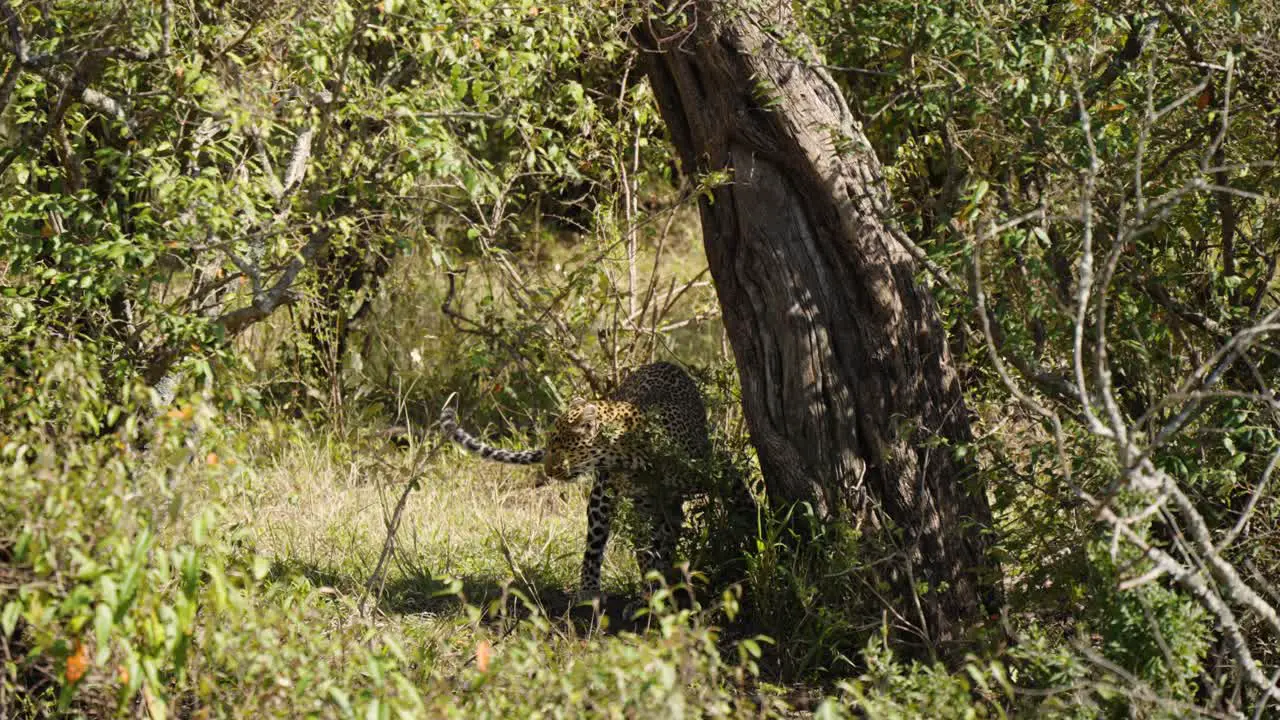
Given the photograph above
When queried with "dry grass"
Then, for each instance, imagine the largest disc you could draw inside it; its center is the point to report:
(478, 523)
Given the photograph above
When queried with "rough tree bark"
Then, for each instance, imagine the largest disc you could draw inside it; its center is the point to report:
(847, 384)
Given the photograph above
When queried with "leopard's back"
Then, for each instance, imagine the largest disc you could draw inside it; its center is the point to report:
(667, 393)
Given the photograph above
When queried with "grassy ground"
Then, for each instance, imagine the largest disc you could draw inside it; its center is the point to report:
(483, 573)
(240, 569)
(479, 524)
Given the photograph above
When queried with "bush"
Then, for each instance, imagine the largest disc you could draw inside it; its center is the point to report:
(127, 588)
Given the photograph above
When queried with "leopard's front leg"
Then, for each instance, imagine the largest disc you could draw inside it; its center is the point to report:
(599, 518)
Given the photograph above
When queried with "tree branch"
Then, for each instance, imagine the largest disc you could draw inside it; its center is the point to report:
(266, 302)
(298, 161)
(17, 41)
(42, 65)
(1195, 584)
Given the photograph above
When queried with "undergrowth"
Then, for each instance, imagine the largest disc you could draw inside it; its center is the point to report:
(213, 563)
(167, 588)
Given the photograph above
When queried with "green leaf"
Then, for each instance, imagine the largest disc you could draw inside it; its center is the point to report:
(9, 617)
(339, 697)
(102, 624)
(261, 566)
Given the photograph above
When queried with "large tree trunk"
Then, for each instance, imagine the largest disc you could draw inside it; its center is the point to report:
(847, 384)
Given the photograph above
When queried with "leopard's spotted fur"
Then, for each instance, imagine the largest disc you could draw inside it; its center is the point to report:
(645, 441)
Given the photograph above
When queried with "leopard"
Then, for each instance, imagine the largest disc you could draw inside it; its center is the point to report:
(646, 441)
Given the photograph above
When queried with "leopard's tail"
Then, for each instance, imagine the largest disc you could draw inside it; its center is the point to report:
(449, 426)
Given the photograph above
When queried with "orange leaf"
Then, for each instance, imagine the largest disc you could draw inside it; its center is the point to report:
(211, 458)
(122, 674)
(1202, 102)
(77, 662)
(484, 653)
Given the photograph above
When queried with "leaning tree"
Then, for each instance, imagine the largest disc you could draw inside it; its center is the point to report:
(847, 384)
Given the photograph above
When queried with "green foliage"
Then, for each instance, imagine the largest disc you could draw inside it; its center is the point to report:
(979, 112)
(129, 593)
(679, 676)
(275, 132)
(890, 689)
(786, 569)
(507, 160)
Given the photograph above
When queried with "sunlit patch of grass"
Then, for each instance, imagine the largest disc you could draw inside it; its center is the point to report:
(480, 524)
(478, 548)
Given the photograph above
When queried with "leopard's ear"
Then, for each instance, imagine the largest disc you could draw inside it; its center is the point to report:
(577, 402)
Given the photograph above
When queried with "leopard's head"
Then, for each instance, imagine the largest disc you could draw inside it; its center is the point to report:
(572, 448)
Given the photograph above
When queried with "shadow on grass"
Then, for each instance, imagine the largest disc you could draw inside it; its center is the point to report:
(501, 599)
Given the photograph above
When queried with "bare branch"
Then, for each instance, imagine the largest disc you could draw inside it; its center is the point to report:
(918, 253)
(1139, 36)
(110, 107)
(166, 28)
(8, 82)
(994, 355)
(1084, 291)
(17, 41)
(1211, 152)
(1182, 99)
(1251, 504)
(1195, 584)
(78, 90)
(265, 303)
(298, 161)
(1222, 571)
(458, 319)
(1212, 372)
(1192, 581)
(42, 65)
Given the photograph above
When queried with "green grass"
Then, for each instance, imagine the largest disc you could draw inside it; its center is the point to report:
(278, 541)
(228, 574)
(483, 559)
(478, 523)
(239, 569)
